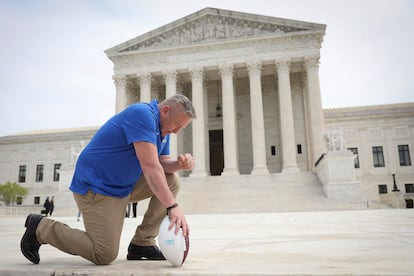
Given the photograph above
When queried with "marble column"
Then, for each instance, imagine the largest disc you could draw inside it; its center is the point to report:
(304, 83)
(206, 126)
(121, 92)
(231, 166)
(257, 117)
(170, 77)
(171, 90)
(145, 86)
(286, 117)
(315, 107)
(198, 125)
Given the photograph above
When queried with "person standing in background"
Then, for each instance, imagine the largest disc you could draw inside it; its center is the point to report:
(51, 205)
(46, 205)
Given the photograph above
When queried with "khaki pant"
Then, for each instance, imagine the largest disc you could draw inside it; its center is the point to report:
(103, 217)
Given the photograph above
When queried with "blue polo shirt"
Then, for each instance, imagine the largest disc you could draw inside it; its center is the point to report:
(108, 165)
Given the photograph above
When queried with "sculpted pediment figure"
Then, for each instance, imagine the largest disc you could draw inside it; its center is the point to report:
(210, 25)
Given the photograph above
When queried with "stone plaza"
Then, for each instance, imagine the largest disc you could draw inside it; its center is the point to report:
(369, 242)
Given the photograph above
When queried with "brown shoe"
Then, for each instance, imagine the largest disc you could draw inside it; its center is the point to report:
(29, 244)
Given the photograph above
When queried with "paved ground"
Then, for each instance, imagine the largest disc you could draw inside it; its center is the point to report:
(370, 242)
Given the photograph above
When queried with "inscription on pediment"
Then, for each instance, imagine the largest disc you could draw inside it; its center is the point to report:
(211, 28)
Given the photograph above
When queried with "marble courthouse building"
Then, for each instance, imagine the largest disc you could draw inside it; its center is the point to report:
(254, 81)
(260, 73)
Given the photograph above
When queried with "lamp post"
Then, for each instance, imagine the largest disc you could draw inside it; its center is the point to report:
(395, 189)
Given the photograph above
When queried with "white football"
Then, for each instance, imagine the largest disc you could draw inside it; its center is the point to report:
(173, 247)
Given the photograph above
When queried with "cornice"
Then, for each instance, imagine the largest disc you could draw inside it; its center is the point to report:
(263, 48)
(312, 39)
(372, 111)
(408, 105)
(48, 135)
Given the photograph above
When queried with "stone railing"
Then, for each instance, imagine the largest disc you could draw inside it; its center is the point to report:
(20, 210)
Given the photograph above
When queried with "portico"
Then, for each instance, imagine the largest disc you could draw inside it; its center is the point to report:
(261, 71)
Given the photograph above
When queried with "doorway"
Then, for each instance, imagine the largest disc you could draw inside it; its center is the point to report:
(216, 151)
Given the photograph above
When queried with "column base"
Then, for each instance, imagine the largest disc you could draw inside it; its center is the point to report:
(198, 173)
(230, 171)
(259, 171)
(291, 169)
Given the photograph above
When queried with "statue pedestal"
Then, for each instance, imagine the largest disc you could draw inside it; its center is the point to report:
(397, 199)
(337, 174)
(65, 178)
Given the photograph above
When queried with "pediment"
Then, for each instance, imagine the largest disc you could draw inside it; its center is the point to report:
(213, 25)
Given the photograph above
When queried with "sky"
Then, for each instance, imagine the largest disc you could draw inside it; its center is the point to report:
(54, 73)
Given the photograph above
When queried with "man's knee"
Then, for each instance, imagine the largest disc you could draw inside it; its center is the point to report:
(105, 257)
(173, 182)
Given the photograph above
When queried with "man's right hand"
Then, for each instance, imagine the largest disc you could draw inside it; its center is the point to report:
(177, 218)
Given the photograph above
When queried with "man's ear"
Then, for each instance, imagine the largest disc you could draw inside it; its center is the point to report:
(165, 109)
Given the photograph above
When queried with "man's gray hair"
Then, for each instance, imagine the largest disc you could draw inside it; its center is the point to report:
(184, 102)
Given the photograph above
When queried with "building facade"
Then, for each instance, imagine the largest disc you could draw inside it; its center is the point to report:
(254, 81)
(260, 73)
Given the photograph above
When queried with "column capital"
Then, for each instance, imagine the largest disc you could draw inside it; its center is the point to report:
(254, 66)
(197, 73)
(144, 78)
(119, 80)
(282, 64)
(312, 62)
(226, 69)
(170, 74)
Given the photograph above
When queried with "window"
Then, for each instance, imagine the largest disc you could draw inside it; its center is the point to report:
(36, 200)
(409, 188)
(404, 154)
(56, 174)
(382, 189)
(19, 200)
(356, 160)
(273, 150)
(299, 148)
(22, 173)
(378, 156)
(39, 173)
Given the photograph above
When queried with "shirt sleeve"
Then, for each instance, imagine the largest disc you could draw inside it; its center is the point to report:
(140, 125)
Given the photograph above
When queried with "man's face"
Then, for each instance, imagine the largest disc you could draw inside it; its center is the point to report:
(173, 119)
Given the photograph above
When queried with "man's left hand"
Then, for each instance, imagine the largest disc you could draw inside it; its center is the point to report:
(186, 161)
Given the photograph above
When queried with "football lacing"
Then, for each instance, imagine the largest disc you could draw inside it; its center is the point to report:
(183, 243)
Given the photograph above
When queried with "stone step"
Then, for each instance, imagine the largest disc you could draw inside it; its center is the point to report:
(240, 194)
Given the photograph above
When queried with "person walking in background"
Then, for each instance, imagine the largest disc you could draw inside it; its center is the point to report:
(51, 205)
(127, 160)
(46, 205)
